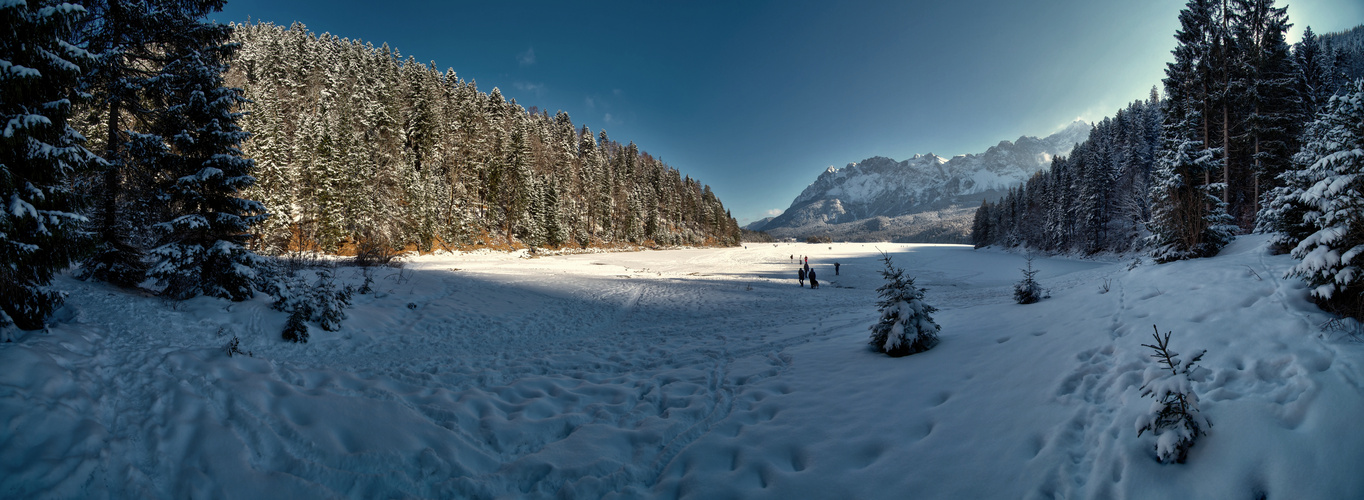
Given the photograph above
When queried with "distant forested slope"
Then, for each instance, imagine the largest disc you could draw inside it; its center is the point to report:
(354, 145)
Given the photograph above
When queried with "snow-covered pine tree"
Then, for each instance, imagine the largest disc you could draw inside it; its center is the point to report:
(329, 301)
(906, 326)
(1312, 79)
(1188, 218)
(40, 230)
(1272, 101)
(128, 37)
(1028, 291)
(1172, 417)
(201, 247)
(1331, 203)
(1058, 218)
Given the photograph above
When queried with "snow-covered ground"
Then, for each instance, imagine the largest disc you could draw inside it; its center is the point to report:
(689, 373)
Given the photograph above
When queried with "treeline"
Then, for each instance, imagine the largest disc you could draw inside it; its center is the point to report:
(356, 146)
(1252, 134)
(1093, 200)
(120, 153)
(1181, 175)
(1342, 54)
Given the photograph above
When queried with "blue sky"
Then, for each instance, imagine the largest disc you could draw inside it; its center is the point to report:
(757, 98)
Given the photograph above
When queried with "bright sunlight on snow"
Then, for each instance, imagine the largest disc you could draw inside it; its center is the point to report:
(690, 374)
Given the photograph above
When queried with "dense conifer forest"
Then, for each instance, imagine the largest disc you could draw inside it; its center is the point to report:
(355, 145)
(145, 142)
(1252, 134)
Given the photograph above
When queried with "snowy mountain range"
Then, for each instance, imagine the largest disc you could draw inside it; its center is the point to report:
(882, 199)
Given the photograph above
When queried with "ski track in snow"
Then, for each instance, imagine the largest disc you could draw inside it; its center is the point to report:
(685, 374)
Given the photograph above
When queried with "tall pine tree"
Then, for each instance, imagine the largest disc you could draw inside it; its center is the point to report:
(40, 230)
(201, 245)
(1188, 214)
(1321, 207)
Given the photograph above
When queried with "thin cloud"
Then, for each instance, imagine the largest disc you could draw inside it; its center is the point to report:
(591, 103)
(774, 212)
(610, 119)
(535, 88)
(526, 58)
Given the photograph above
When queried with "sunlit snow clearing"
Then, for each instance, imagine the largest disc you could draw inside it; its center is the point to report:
(690, 373)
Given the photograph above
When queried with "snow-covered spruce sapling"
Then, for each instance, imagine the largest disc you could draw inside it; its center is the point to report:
(330, 301)
(322, 302)
(296, 327)
(1173, 416)
(1028, 291)
(905, 327)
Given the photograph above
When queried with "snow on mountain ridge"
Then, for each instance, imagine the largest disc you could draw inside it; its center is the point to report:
(880, 186)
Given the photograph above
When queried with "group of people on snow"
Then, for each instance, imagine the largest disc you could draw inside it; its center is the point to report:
(804, 272)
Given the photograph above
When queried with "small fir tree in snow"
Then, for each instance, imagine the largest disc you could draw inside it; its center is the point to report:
(296, 327)
(1028, 291)
(322, 302)
(905, 327)
(1173, 415)
(330, 301)
(39, 154)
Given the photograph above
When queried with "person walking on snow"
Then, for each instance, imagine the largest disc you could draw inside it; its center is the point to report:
(800, 276)
(813, 282)
(835, 268)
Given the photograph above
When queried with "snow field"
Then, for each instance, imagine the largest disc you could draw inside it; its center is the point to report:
(689, 374)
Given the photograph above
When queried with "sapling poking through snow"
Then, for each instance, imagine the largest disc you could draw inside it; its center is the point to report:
(1028, 291)
(905, 326)
(1173, 414)
(323, 302)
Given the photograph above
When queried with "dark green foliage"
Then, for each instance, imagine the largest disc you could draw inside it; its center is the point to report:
(202, 242)
(1027, 291)
(1318, 213)
(322, 301)
(116, 261)
(296, 328)
(1093, 200)
(905, 326)
(39, 155)
(1184, 174)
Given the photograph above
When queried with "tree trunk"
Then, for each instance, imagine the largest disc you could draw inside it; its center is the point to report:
(1226, 150)
(112, 179)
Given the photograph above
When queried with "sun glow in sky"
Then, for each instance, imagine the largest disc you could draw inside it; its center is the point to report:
(757, 98)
